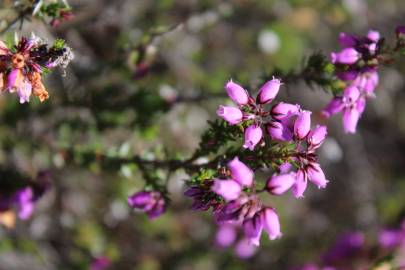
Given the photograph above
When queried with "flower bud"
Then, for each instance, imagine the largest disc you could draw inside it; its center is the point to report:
(253, 135)
(24, 199)
(226, 235)
(279, 132)
(350, 119)
(278, 184)
(271, 223)
(317, 136)
(150, 202)
(347, 40)
(302, 125)
(237, 93)
(268, 91)
(346, 56)
(244, 249)
(253, 229)
(333, 107)
(230, 114)
(300, 184)
(228, 189)
(240, 172)
(351, 94)
(281, 110)
(24, 92)
(14, 80)
(373, 35)
(316, 175)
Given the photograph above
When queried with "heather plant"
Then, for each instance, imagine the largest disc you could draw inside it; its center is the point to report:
(259, 145)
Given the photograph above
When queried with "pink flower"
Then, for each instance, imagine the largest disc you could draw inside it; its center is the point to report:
(244, 249)
(24, 199)
(347, 40)
(334, 106)
(237, 93)
(279, 132)
(150, 202)
(317, 136)
(316, 175)
(268, 91)
(373, 35)
(281, 110)
(350, 119)
(226, 235)
(271, 223)
(253, 229)
(300, 184)
(228, 189)
(24, 92)
(240, 172)
(353, 108)
(346, 56)
(367, 82)
(278, 184)
(302, 125)
(253, 135)
(230, 114)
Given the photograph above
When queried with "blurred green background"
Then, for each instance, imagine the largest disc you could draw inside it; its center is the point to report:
(133, 59)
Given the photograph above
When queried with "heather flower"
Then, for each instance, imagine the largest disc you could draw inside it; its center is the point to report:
(373, 36)
(302, 125)
(352, 103)
(316, 175)
(279, 131)
(391, 238)
(361, 77)
(282, 110)
(150, 202)
(230, 114)
(237, 93)
(228, 189)
(226, 235)
(236, 211)
(317, 136)
(203, 197)
(268, 91)
(367, 82)
(244, 249)
(300, 184)
(271, 223)
(346, 56)
(24, 200)
(253, 135)
(278, 184)
(347, 40)
(21, 69)
(253, 228)
(240, 172)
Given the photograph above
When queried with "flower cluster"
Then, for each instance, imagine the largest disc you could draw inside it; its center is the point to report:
(21, 202)
(238, 203)
(356, 64)
(22, 66)
(284, 123)
(150, 202)
(353, 249)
